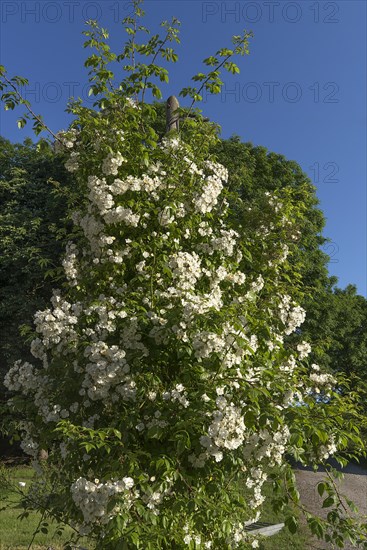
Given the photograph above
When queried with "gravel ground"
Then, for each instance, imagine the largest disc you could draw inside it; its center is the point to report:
(353, 486)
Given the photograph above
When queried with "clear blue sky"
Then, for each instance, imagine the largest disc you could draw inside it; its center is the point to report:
(301, 92)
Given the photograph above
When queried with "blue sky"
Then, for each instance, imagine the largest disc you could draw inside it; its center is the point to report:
(301, 92)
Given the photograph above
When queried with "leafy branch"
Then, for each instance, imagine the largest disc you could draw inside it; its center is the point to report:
(211, 81)
(14, 98)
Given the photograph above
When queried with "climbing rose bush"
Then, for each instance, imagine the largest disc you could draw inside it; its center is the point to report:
(160, 378)
(161, 384)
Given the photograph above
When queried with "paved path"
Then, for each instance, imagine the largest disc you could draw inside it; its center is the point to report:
(353, 486)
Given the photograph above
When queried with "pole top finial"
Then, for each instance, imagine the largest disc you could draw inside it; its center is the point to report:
(172, 117)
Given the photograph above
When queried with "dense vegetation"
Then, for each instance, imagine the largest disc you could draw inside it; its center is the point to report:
(37, 193)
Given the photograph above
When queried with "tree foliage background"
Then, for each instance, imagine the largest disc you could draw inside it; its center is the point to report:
(37, 195)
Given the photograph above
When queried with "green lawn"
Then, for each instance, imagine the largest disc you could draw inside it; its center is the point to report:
(17, 533)
(284, 540)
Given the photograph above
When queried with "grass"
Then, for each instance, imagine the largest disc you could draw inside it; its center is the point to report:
(284, 540)
(16, 533)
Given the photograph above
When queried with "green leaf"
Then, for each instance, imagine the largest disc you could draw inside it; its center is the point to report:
(291, 523)
(180, 446)
(321, 487)
(329, 501)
